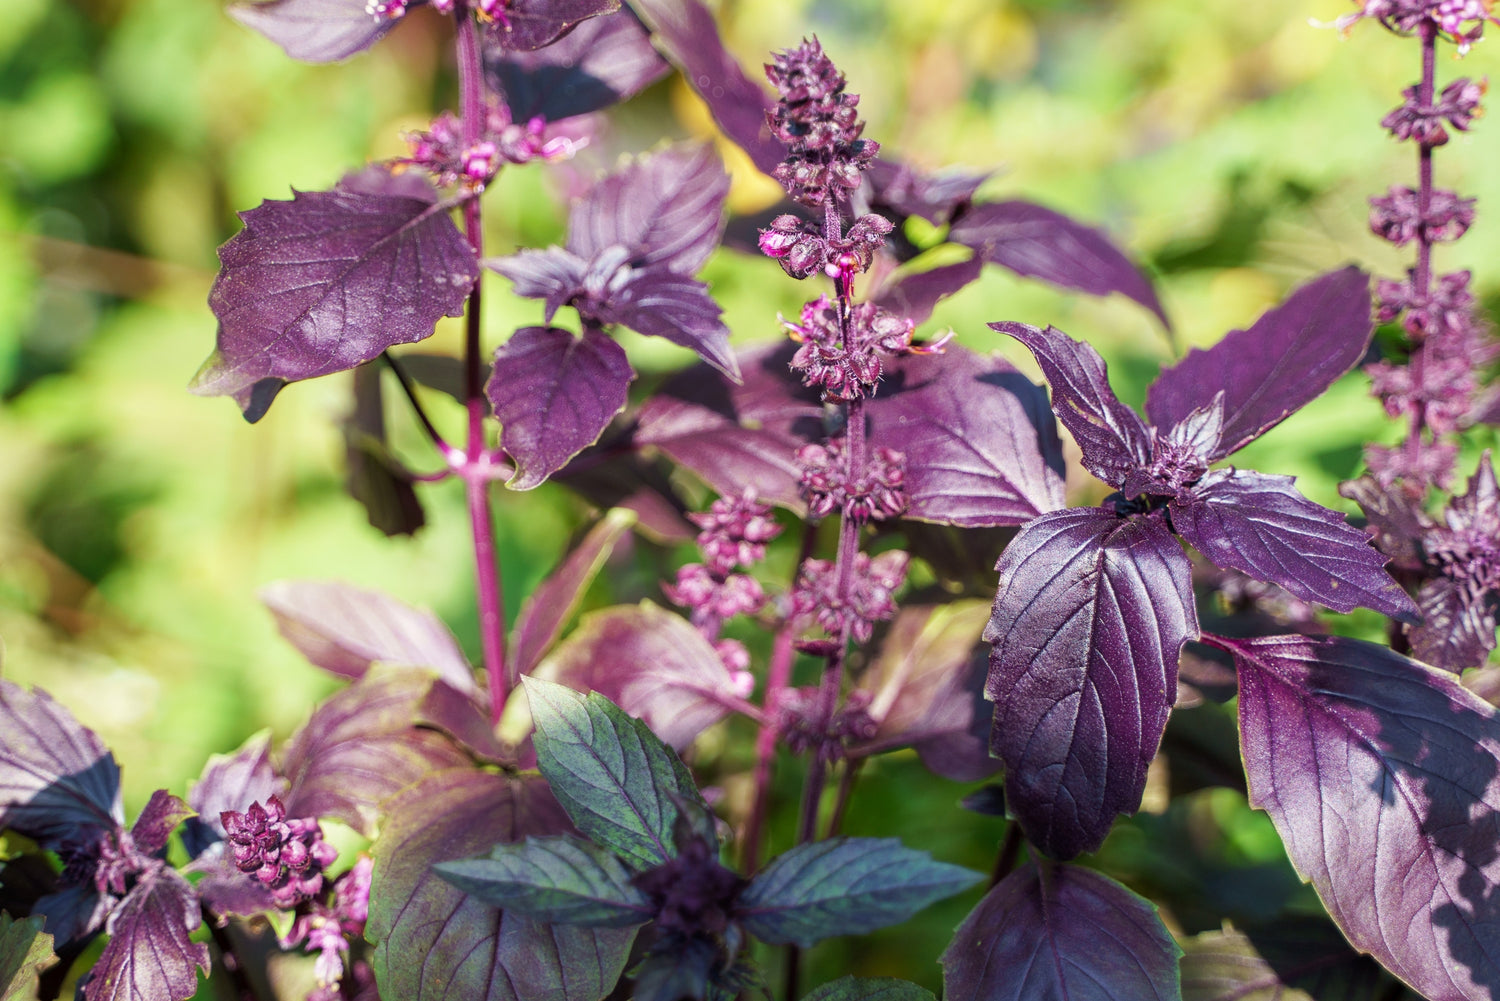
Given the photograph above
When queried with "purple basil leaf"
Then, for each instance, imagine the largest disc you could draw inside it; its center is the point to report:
(465, 716)
(24, 950)
(737, 436)
(662, 303)
(57, 779)
(553, 275)
(531, 24)
(360, 746)
(1087, 625)
(1039, 243)
(1382, 777)
(667, 208)
(908, 192)
(162, 814)
(1290, 960)
(1061, 931)
(688, 34)
(614, 473)
(232, 782)
(74, 913)
(561, 879)
(1261, 526)
(1288, 358)
(554, 394)
(915, 295)
(1457, 628)
(346, 630)
(149, 954)
(376, 478)
(436, 943)
(869, 989)
(602, 61)
(981, 447)
(844, 886)
(649, 662)
(1113, 438)
(548, 606)
(326, 282)
(314, 31)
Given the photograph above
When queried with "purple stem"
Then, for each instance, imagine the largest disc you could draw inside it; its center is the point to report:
(1422, 278)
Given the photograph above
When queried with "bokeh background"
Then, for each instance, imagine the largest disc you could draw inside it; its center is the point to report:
(1230, 146)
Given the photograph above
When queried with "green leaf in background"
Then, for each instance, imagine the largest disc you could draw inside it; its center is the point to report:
(563, 879)
(24, 949)
(870, 989)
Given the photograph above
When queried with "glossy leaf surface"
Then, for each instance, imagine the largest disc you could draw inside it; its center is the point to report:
(602, 61)
(57, 779)
(1050, 932)
(149, 954)
(562, 879)
(1090, 616)
(24, 950)
(314, 31)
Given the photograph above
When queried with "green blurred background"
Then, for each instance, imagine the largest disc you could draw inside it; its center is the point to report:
(1228, 145)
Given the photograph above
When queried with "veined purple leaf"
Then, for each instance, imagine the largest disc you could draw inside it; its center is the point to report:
(548, 606)
(1285, 360)
(1292, 960)
(149, 954)
(667, 208)
(1061, 931)
(602, 61)
(1382, 777)
(325, 282)
(687, 33)
(562, 879)
(1457, 628)
(1113, 438)
(553, 274)
(57, 779)
(436, 943)
(531, 24)
(649, 662)
(360, 746)
(908, 192)
(1090, 616)
(1261, 526)
(662, 303)
(554, 394)
(915, 295)
(737, 436)
(981, 447)
(1037, 242)
(314, 31)
(346, 630)
(465, 716)
(24, 950)
(160, 817)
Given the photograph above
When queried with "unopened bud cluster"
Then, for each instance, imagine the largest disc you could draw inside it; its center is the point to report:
(287, 856)
(820, 125)
(441, 151)
(875, 493)
(870, 597)
(734, 534)
(841, 350)
(798, 722)
(1462, 21)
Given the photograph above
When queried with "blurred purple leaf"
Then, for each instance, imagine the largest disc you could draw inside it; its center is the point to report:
(1284, 361)
(360, 746)
(869, 989)
(160, 817)
(465, 717)
(376, 478)
(435, 943)
(346, 630)
(149, 954)
(531, 24)
(661, 303)
(1061, 931)
(915, 295)
(1037, 242)
(325, 282)
(604, 60)
(24, 950)
(58, 781)
(981, 447)
(909, 192)
(1290, 960)
(314, 31)
(553, 275)
(443, 373)
(554, 394)
(1090, 615)
(649, 662)
(1457, 628)
(687, 33)
(550, 604)
(1113, 438)
(1397, 523)
(1382, 777)
(232, 782)
(1261, 526)
(614, 473)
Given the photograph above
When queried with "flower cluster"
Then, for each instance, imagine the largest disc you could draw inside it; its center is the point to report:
(287, 856)
(798, 722)
(1458, 105)
(819, 124)
(875, 493)
(841, 350)
(870, 597)
(1461, 20)
(440, 149)
(327, 928)
(801, 248)
(734, 534)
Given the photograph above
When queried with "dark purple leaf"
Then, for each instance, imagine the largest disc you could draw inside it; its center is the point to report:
(1113, 438)
(687, 33)
(554, 394)
(1289, 357)
(224, 889)
(908, 192)
(326, 282)
(667, 208)
(73, 913)
(1457, 628)
(162, 814)
(869, 989)
(662, 303)
(149, 954)
(737, 436)
(602, 61)
(434, 942)
(562, 879)
(614, 473)
(1382, 777)
(553, 275)
(1292, 960)
(915, 295)
(981, 447)
(24, 950)
(1061, 931)
(1039, 243)
(531, 24)
(649, 662)
(1261, 526)
(347, 630)
(361, 746)
(315, 31)
(465, 716)
(1090, 616)
(553, 600)
(376, 478)
(57, 779)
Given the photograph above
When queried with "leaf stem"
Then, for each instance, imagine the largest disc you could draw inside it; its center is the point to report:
(229, 957)
(847, 778)
(1010, 853)
(448, 452)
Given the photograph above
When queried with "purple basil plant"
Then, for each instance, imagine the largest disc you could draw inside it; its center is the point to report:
(540, 827)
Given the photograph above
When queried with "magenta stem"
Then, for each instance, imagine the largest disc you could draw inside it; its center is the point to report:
(1422, 277)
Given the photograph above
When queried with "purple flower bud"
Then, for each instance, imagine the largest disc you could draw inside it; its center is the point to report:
(735, 532)
(870, 599)
(875, 493)
(386, 10)
(286, 856)
(820, 126)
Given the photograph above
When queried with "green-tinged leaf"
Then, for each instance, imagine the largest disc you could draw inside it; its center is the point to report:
(1292, 959)
(615, 778)
(869, 989)
(845, 886)
(24, 949)
(434, 942)
(564, 879)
